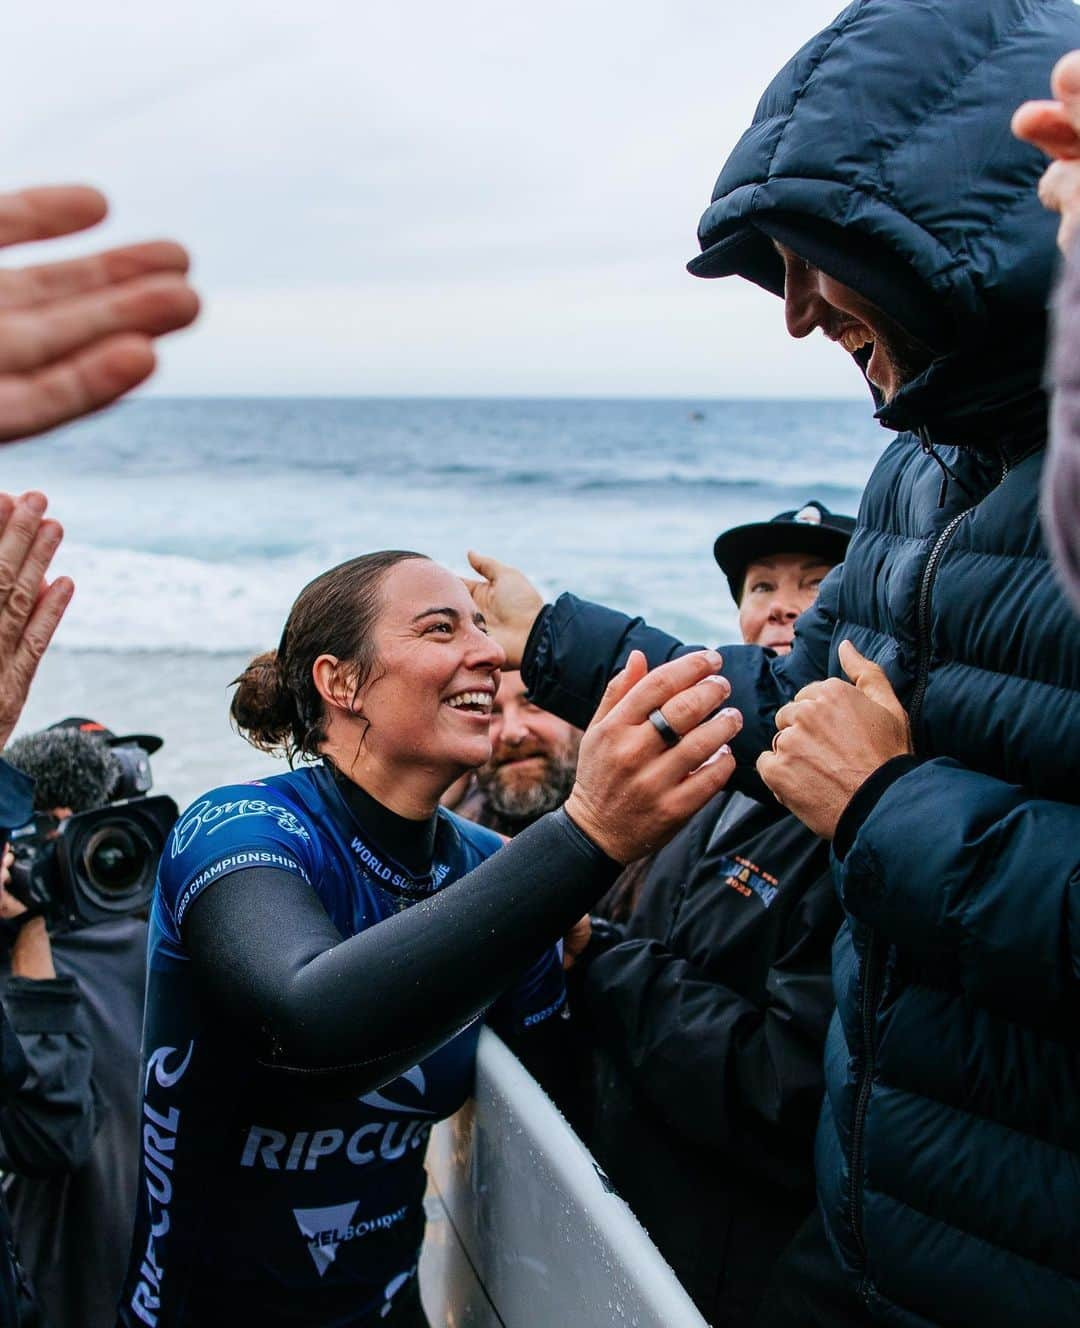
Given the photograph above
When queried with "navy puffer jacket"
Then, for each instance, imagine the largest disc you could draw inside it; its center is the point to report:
(949, 1145)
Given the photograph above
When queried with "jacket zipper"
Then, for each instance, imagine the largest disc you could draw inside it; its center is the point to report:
(922, 617)
(922, 612)
(870, 978)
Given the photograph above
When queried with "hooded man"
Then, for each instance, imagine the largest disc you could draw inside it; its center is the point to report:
(880, 192)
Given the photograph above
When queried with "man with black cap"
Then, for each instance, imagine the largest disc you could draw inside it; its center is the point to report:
(927, 721)
(75, 998)
(704, 1012)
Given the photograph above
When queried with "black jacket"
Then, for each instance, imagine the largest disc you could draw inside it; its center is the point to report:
(707, 1022)
(72, 1132)
(16, 808)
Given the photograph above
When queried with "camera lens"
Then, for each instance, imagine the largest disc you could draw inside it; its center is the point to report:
(116, 859)
(109, 857)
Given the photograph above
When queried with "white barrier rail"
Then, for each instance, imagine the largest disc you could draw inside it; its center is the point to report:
(523, 1231)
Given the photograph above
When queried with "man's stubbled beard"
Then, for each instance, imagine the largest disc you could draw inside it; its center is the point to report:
(518, 804)
(908, 357)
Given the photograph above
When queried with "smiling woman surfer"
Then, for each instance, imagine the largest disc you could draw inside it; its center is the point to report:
(318, 971)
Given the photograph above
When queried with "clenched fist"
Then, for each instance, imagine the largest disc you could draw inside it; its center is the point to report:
(831, 738)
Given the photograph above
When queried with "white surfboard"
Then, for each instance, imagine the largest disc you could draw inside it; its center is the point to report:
(523, 1229)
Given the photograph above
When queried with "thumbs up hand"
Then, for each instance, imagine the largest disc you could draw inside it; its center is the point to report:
(831, 738)
(870, 680)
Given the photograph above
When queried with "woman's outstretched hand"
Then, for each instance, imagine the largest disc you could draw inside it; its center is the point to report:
(634, 790)
(508, 600)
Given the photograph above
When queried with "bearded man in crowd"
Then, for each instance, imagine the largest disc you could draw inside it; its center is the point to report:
(532, 766)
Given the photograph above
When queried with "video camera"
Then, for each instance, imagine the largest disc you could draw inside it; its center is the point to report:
(97, 863)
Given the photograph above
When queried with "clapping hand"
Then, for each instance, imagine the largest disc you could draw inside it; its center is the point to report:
(1054, 126)
(30, 606)
(78, 333)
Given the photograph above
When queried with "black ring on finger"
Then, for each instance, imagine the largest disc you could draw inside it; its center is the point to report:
(657, 720)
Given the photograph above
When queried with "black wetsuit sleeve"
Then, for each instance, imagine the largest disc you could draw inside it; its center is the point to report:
(266, 954)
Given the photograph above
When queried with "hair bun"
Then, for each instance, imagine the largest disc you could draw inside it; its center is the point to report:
(262, 708)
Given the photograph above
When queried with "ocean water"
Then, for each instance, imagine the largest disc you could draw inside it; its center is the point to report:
(192, 523)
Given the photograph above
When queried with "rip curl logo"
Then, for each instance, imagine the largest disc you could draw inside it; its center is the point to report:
(377, 1142)
(415, 1077)
(326, 1229)
(160, 1131)
(158, 1066)
(212, 817)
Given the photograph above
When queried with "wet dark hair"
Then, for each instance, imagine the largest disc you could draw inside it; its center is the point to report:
(277, 707)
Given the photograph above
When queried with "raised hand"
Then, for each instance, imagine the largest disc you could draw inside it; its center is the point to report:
(30, 606)
(634, 788)
(508, 600)
(831, 738)
(77, 334)
(1054, 126)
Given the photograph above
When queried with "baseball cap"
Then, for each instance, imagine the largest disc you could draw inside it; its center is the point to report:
(147, 741)
(811, 528)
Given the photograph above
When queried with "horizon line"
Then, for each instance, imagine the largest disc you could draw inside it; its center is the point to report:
(476, 396)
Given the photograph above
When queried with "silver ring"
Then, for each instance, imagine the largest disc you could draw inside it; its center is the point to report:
(657, 720)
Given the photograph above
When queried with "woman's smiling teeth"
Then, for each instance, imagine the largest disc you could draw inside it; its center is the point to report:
(477, 702)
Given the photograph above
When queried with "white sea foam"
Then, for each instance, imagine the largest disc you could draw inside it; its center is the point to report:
(191, 525)
(127, 600)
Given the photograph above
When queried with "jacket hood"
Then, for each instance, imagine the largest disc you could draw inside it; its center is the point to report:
(882, 153)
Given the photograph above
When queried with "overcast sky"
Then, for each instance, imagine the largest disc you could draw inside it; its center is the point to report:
(476, 198)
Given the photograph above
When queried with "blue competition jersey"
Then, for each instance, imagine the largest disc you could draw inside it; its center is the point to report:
(262, 1200)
